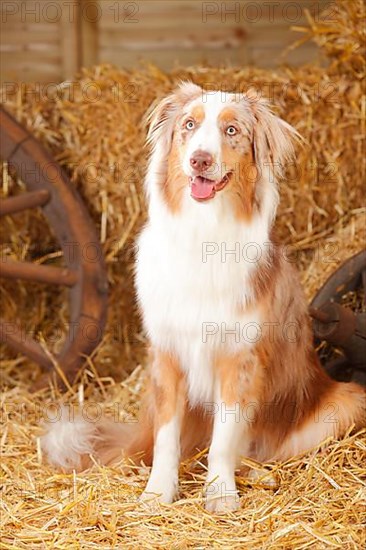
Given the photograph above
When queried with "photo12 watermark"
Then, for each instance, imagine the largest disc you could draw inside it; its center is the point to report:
(69, 11)
(269, 12)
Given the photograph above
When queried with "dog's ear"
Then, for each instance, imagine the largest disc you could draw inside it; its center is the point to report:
(273, 139)
(160, 119)
(162, 115)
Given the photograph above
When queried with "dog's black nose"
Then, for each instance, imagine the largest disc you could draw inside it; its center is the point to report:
(201, 160)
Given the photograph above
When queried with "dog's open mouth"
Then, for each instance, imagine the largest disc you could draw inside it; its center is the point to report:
(203, 189)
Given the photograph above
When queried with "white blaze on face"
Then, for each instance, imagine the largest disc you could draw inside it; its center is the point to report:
(207, 137)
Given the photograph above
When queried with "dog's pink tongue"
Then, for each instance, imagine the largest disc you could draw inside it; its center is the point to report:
(202, 188)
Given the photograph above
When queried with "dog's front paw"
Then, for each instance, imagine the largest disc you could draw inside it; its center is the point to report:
(221, 496)
(157, 494)
(222, 504)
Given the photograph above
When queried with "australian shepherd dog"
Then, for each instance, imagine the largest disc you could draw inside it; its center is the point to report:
(232, 362)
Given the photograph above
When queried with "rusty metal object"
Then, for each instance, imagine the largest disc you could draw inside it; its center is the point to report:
(339, 326)
(48, 187)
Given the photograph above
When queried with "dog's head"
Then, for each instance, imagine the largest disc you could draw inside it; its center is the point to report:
(210, 143)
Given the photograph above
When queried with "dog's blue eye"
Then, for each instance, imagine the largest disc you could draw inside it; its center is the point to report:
(190, 125)
(231, 131)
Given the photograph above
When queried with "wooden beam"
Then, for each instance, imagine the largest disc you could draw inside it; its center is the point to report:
(89, 28)
(70, 41)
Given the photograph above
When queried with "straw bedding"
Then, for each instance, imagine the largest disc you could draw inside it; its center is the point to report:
(94, 128)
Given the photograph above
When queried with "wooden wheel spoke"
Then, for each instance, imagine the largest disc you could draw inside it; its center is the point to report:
(32, 199)
(28, 271)
(21, 341)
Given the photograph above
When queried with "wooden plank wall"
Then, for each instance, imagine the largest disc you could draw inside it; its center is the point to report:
(38, 41)
(235, 32)
(48, 41)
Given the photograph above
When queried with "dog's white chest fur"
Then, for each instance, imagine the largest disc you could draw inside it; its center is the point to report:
(192, 282)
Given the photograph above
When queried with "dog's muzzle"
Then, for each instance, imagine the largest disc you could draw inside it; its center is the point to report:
(203, 189)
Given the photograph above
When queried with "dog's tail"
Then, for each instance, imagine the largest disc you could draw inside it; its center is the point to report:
(349, 400)
(341, 408)
(74, 443)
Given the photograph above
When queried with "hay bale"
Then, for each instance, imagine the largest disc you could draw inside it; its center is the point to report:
(341, 34)
(93, 127)
(101, 145)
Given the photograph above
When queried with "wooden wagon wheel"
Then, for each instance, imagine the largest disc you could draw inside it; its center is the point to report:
(343, 328)
(48, 187)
